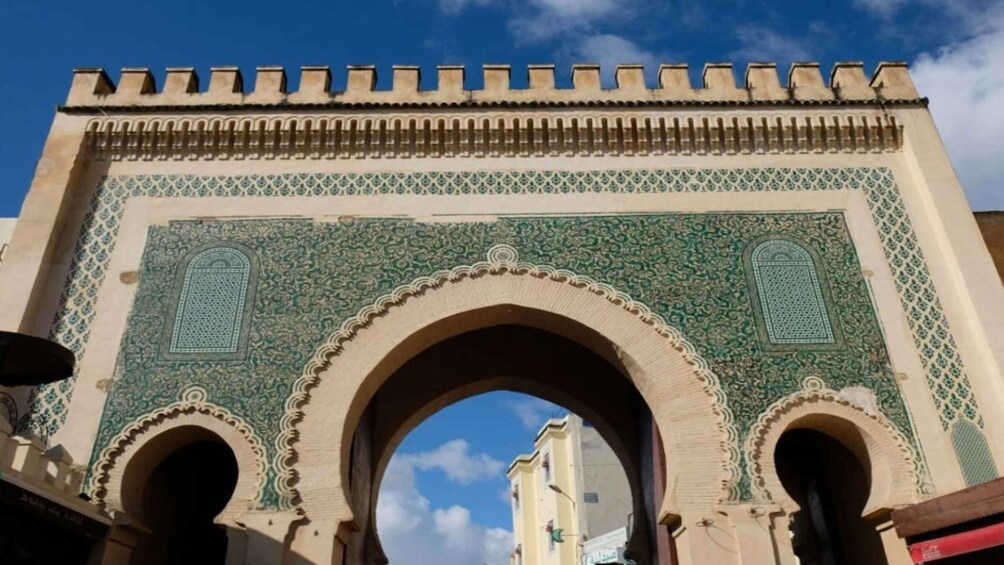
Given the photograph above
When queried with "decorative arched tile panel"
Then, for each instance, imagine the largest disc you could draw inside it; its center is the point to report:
(789, 295)
(211, 306)
(971, 445)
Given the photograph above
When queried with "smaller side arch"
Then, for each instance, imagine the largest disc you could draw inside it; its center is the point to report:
(895, 471)
(107, 481)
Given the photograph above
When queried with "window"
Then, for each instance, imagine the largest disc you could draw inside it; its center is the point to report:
(546, 467)
(518, 554)
(550, 535)
(790, 297)
(213, 300)
(515, 497)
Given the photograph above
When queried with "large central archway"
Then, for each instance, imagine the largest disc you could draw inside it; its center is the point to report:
(664, 370)
(508, 357)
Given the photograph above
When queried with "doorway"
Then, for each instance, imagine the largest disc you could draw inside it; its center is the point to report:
(180, 498)
(831, 487)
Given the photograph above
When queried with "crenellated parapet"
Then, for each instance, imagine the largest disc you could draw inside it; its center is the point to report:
(847, 85)
(43, 473)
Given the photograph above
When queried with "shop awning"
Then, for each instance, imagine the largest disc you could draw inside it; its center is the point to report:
(958, 544)
(30, 360)
(968, 505)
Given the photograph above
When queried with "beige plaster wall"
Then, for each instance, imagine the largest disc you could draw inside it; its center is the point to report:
(598, 470)
(43, 240)
(6, 231)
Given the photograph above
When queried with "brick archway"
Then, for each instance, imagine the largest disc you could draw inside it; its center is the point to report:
(683, 395)
(896, 475)
(147, 441)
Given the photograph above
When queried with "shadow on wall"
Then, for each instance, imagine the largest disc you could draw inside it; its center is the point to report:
(992, 227)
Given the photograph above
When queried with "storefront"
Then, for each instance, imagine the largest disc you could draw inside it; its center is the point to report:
(606, 549)
(43, 520)
(965, 527)
(36, 528)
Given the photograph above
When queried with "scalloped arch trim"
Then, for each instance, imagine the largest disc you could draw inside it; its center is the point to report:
(500, 260)
(193, 400)
(892, 445)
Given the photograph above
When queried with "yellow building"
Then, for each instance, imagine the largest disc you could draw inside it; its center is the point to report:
(572, 482)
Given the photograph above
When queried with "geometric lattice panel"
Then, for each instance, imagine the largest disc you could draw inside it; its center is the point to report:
(791, 298)
(971, 446)
(210, 307)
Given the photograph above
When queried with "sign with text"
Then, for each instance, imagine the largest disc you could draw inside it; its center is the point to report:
(14, 498)
(606, 548)
(613, 538)
(609, 555)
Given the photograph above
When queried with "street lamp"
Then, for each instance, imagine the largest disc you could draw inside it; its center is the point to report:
(558, 490)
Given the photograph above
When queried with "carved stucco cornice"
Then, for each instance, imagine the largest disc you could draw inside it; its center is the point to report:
(490, 104)
(476, 134)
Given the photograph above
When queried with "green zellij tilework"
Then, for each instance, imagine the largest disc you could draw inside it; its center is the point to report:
(687, 267)
(211, 303)
(687, 293)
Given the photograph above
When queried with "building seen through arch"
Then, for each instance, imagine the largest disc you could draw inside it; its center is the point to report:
(769, 297)
(571, 502)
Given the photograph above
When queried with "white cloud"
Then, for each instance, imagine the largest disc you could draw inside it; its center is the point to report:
(505, 496)
(759, 43)
(414, 533)
(454, 458)
(533, 412)
(965, 83)
(612, 50)
(401, 507)
(540, 20)
(454, 7)
(455, 527)
(881, 8)
(453, 524)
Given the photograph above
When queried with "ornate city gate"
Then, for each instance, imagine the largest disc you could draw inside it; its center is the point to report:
(275, 287)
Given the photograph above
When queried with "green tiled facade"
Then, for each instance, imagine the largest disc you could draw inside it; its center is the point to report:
(691, 269)
(687, 268)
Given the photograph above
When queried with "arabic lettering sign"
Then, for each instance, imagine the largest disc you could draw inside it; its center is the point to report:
(609, 555)
(610, 539)
(13, 498)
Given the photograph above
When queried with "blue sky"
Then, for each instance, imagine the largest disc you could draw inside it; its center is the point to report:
(956, 48)
(445, 497)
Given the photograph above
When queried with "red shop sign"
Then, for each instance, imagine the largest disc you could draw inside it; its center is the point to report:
(958, 544)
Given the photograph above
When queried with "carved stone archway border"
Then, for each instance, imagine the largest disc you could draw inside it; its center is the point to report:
(898, 476)
(193, 409)
(675, 354)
